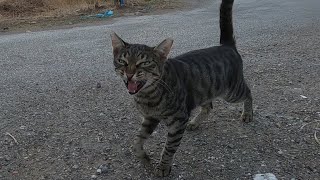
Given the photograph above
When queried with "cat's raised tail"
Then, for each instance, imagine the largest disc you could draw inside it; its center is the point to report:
(226, 26)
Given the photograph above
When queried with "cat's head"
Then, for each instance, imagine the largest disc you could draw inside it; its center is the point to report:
(139, 65)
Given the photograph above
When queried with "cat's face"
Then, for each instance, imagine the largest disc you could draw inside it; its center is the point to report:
(139, 65)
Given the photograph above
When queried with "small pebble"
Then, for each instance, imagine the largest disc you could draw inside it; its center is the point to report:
(267, 176)
(99, 85)
(304, 97)
(102, 169)
(174, 164)
(94, 176)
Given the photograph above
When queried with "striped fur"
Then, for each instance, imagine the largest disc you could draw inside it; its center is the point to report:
(172, 88)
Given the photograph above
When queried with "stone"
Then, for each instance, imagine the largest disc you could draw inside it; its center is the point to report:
(267, 176)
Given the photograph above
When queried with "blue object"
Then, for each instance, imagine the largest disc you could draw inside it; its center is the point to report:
(108, 13)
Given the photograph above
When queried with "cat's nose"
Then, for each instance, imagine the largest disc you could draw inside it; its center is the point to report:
(129, 76)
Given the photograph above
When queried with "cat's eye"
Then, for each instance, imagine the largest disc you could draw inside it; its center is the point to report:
(146, 63)
(122, 61)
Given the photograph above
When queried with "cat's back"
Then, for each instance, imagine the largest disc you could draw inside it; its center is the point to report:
(215, 53)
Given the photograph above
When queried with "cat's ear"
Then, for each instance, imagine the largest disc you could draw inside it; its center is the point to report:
(117, 43)
(164, 47)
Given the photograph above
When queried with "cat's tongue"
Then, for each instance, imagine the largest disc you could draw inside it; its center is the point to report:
(133, 86)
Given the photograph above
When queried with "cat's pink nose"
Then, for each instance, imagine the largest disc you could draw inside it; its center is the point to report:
(129, 76)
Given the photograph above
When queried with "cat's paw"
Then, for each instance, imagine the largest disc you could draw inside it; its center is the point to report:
(141, 155)
(144, 159)
(191, 126)
(246, 117)
(162, 171)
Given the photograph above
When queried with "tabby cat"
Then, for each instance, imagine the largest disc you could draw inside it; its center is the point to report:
(169, 89)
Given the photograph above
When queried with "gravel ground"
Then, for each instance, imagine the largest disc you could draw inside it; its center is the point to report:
(69, 115)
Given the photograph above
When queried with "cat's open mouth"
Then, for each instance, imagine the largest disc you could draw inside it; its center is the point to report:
(135, 86)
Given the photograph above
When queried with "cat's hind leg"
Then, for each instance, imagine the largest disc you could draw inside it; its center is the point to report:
(204, 113)
(247, 112)
(242, 93)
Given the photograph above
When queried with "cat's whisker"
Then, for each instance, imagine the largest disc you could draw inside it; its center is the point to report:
(164, 84)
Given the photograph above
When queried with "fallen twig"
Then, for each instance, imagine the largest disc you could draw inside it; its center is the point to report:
(316, 138)
(315, 135)
(14, 139)
(308, 124)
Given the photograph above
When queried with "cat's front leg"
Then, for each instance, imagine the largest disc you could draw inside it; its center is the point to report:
(148, 125)
(176, 129)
